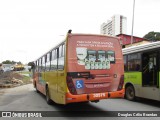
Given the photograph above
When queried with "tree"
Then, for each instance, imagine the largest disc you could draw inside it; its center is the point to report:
(11, 62)
(7, 62)
(19, 63)
(152, 36)
(31, 64)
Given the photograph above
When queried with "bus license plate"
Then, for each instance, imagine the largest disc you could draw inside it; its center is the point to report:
(99, 95)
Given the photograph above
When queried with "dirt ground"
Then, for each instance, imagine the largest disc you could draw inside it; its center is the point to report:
(11, 79)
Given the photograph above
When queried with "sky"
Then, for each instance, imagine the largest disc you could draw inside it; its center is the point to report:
(29, 28)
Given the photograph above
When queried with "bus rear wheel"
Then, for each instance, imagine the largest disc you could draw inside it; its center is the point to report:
(130, 93)
(49, 101)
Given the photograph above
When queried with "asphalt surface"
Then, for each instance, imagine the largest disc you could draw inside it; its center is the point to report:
(25, 98)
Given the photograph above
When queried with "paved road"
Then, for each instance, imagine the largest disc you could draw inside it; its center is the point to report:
(24, 98)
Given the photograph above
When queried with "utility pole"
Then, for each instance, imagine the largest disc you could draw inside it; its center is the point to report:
(132, 22)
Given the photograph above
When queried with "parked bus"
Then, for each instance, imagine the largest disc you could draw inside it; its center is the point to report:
(142, 71)
(82, 68)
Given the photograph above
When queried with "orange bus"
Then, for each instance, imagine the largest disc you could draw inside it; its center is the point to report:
(82, 68)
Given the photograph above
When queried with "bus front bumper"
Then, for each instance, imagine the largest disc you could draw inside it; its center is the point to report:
(93, 96)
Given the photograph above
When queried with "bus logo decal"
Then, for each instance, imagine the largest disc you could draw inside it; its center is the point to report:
(79, 84)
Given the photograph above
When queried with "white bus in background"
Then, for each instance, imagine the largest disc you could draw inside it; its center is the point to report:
(142, 71)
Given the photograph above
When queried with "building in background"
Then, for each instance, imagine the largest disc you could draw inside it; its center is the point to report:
(6, 67)
(125, 40)
(117, 25)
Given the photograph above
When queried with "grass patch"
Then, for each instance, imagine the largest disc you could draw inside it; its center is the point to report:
(23, 72)
(26, 79)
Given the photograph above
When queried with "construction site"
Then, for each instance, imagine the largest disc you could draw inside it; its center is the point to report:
(12, 79)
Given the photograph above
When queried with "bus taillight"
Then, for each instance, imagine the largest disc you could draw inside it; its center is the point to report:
(70, 85)
(121, 83)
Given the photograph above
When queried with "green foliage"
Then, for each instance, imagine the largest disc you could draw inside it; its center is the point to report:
(31, 64)
(19, 63)
(7, 62)
(11, 62)
(152, 36)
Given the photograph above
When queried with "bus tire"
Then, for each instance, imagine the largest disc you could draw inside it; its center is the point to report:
(48, 100)
(130, 93)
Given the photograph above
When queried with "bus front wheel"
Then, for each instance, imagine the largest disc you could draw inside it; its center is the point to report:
(49, 101)
(130, 93)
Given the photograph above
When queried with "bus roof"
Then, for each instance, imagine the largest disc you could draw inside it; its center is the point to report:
(85, 34)
(140, 48)
(74, 34)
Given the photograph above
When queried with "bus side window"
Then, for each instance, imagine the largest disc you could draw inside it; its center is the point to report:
(134, 61)
(60, 51)
(54, 60)
(37, 66)
(43, 63)
(61, 58)
(63, 50)
(40, 65)
(48, 61)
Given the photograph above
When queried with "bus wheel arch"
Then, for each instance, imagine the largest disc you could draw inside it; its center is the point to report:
(129, 92)
(48, 100)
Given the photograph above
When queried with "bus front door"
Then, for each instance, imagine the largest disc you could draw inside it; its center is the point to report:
(150, 69)
(150, 76)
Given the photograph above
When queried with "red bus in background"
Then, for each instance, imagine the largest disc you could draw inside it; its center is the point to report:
(83, 68)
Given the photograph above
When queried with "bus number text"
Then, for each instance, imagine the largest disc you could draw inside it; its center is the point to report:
(97, 95)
